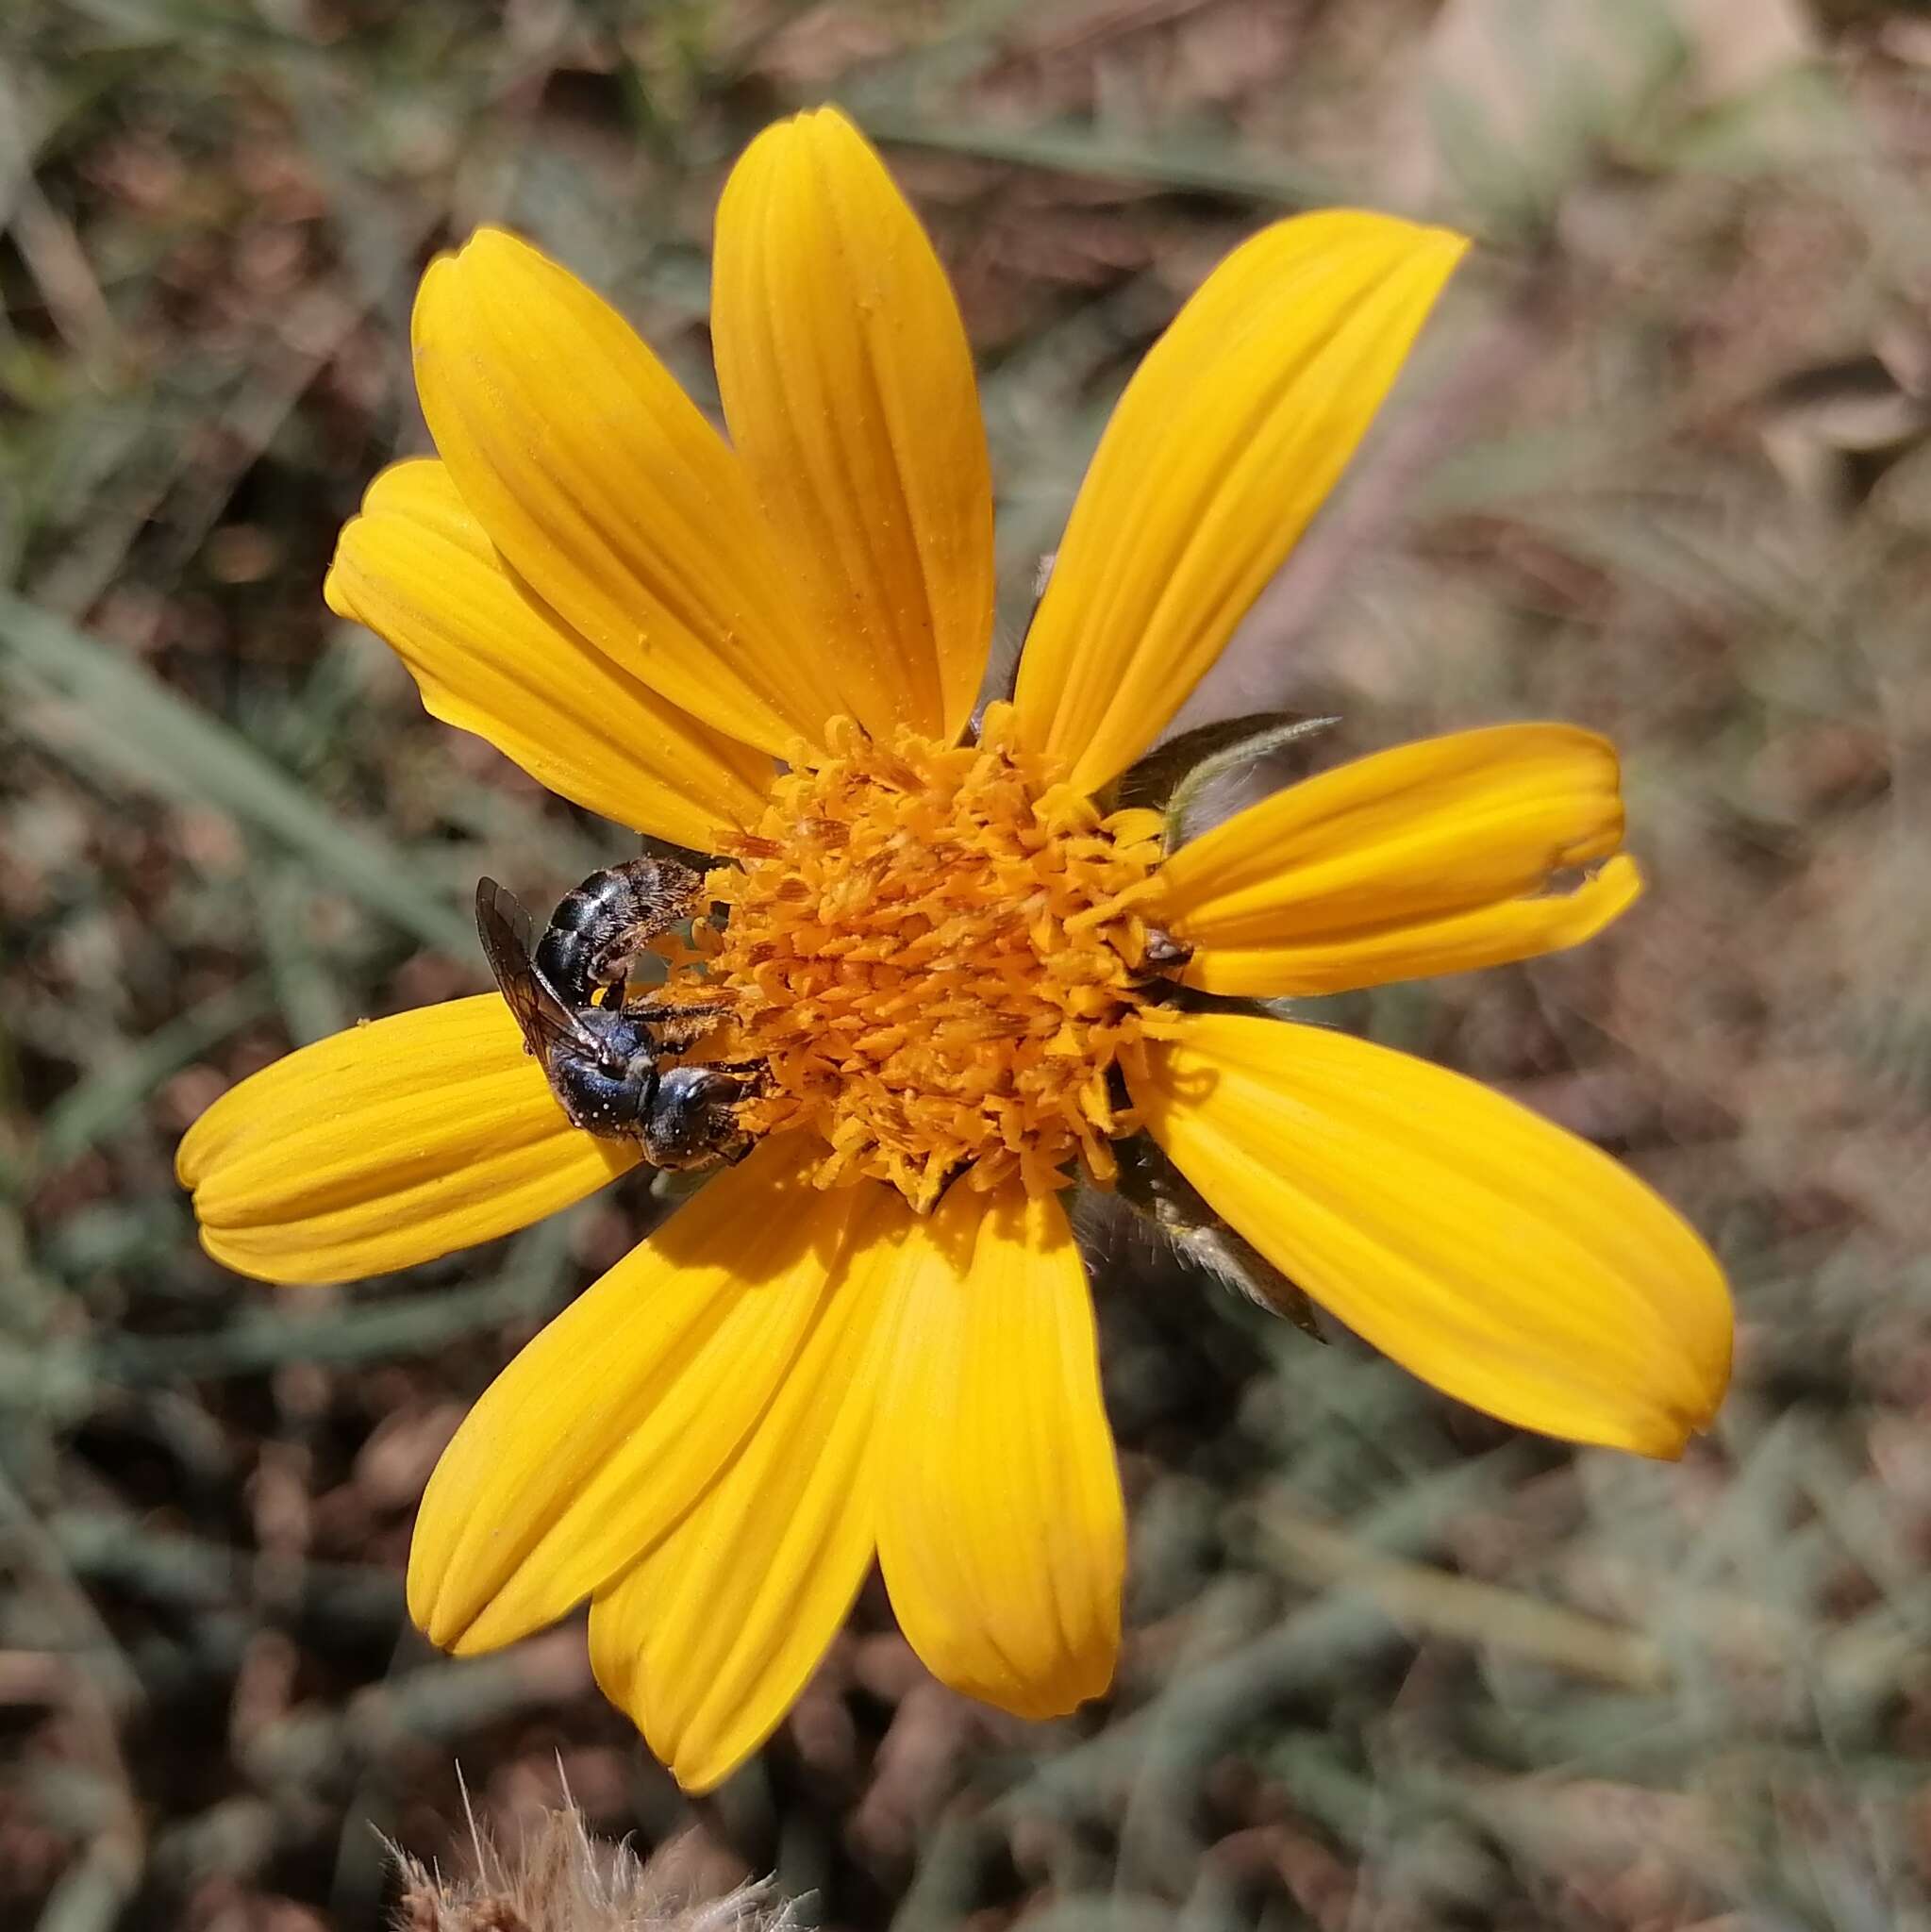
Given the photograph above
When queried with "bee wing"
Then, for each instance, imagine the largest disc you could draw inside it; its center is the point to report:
(503, 921)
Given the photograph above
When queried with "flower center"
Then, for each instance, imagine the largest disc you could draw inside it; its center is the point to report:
(934, 950)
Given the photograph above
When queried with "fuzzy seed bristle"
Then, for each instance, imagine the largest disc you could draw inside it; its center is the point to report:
(562, 1878)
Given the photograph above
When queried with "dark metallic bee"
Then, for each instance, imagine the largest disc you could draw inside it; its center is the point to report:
(603, 1061)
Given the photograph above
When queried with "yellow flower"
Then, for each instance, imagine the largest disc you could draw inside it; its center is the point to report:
(874, 1338)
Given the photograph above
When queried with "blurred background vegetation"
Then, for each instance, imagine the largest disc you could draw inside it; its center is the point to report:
(1660, 467)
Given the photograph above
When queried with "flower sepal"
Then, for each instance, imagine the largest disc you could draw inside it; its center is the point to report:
(1156, 1189)
(1171, 778)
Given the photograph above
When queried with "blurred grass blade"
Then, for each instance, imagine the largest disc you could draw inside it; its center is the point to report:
(270, 1334)
(1194, 167)
(1443, 1603)
(112, 1095)
(158, 739)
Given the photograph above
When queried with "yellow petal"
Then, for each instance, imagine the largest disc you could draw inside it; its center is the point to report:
(1002, 1533)
(1508, 1262)
(1433, 858)
(490, 657)
(391, 1143)
(608, 494)
(709, 1640)
(847, 382)
(1235, 427)
(1452, 943)
(608, 1424)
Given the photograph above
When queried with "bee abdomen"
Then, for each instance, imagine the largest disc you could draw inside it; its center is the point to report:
(588, 918)
(599, 925)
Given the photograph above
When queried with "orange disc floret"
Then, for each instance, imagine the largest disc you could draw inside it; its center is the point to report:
(935, 951)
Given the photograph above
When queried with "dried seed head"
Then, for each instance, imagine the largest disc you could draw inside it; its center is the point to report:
(560, 1879)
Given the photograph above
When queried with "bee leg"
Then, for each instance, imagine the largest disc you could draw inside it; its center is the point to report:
(676, 1036)
(679, 1026)
(661, 892)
